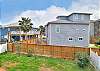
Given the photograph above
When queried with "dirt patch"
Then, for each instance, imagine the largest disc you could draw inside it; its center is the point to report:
(44, 68)
(9, 64)
(2, 69)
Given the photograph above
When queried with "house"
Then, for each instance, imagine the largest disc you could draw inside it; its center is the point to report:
(12, 31)
(94, 30)
(71, 30)
(97, 28)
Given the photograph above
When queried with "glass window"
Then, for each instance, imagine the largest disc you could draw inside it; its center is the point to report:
(57, 29)
(80, 38)
(70, 39)
(77, 17)
(84, 29)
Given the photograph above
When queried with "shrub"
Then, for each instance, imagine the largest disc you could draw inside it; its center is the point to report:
(82, 59)
(29, 53)
(98, 43)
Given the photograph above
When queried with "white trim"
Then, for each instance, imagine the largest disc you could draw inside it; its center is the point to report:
(50, 34)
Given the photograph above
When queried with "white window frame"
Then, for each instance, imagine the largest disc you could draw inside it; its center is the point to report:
(69, 38)
(57, 28)
(80, 37)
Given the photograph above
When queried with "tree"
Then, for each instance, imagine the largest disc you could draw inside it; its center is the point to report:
(41, 29)
(25, 25)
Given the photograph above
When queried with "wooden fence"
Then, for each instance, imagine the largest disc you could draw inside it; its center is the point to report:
(49, 50)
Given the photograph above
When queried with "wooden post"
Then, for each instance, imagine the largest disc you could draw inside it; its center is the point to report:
(27, 45)
(9, 36)
(90, 51)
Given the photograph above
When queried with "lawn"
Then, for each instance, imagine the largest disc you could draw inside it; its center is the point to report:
(94, 46)
(13, 62)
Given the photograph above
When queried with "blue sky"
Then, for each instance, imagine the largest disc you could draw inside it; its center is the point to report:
(9, 8)
(42, 11)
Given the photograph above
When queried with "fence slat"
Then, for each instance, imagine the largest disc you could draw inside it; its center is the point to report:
(50, 50)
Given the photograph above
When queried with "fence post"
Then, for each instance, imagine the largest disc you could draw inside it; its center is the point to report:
(74, 53)
(12, 46)
(27, 46)
(7, 46)
(90, 51)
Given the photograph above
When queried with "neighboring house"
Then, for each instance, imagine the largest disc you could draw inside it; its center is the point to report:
(72, 30)
(91, 28)
(94, 31)
(97, 28)
(14, 32)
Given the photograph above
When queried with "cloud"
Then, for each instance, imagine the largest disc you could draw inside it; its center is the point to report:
(88, 6)
(41, 17)
(0, 23)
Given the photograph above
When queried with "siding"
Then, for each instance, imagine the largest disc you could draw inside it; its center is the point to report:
(67, 30)
(81, 18)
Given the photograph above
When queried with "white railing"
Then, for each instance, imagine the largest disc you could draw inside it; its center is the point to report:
(95, 60)
(3, 48)
(21, 32)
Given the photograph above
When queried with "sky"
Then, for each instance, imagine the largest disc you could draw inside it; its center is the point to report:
(42, 11)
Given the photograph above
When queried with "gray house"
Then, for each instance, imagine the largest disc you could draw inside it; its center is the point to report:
(72, 30)
(95, 28)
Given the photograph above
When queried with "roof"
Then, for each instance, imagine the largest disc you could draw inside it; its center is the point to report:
(66, 22)
(61, 16)
(12, 25)
(82, 13)
(92, 21)
(98, 20)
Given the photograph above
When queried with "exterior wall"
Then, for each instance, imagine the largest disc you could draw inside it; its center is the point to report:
(49, 34)
(97, 28)
(66, 31)
(91, 29)
(5, 30)
(80, 18)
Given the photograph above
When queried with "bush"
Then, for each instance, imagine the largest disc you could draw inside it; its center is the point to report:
(82, 59)
(29, 53)
(98, 43)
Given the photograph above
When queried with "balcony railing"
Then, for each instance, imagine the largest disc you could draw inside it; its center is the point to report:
(21, 32)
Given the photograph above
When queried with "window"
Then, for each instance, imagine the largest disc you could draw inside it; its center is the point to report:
(70, 39)
(84, 29)
(82, 17)
(80, 38)
(57, 29)
(8, 29)
(77, 17)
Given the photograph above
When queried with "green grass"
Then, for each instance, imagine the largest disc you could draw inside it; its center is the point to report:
(13, 62)
(94, 46)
